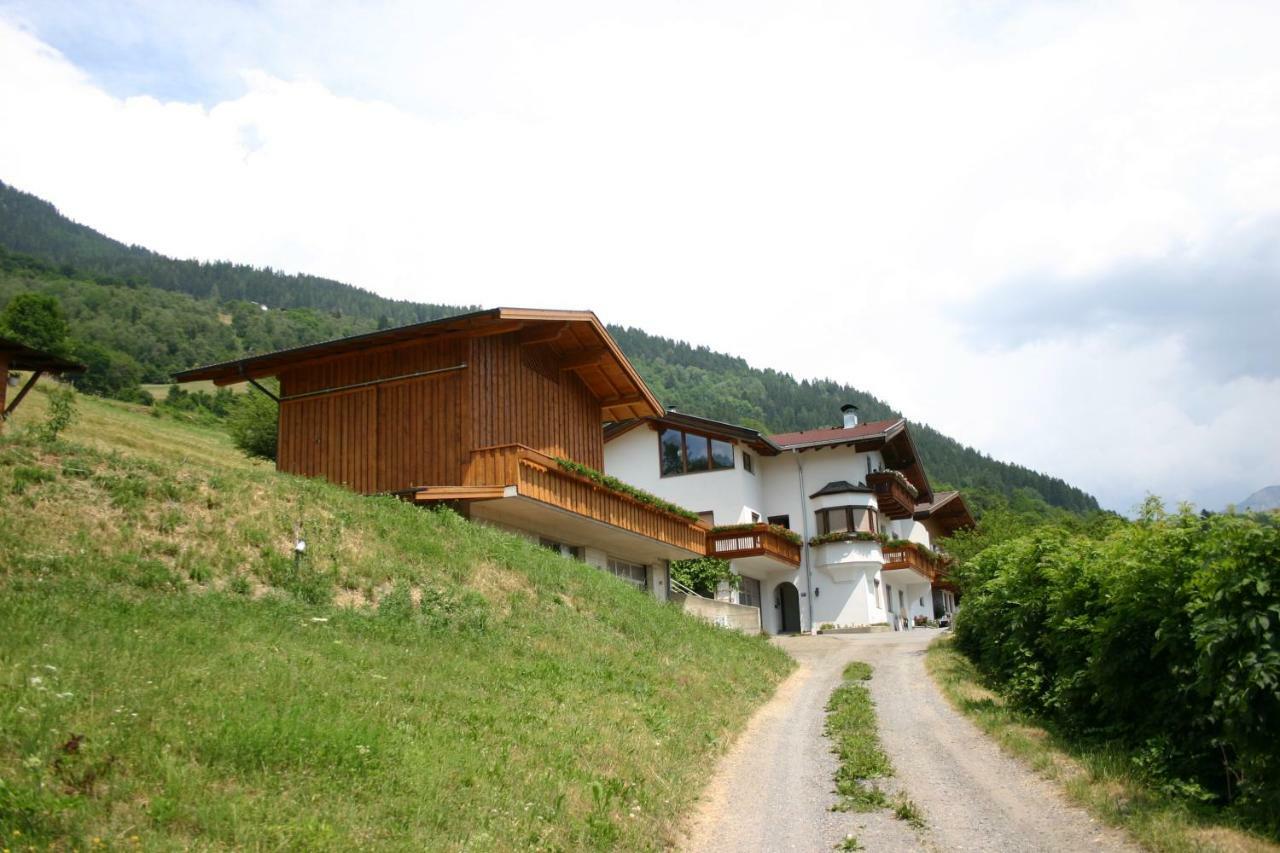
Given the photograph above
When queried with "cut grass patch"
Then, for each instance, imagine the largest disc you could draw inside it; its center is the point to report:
(1100, 779)
(851, 725)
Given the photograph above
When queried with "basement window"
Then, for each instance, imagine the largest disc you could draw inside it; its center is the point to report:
(632, 573)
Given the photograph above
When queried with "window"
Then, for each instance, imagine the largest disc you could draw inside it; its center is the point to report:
(632, 573)
(748, 464)
(573, 551)
(755, 518)
(749, 592)
(688, 453)
(672, 443)
(781, 520)
(696, 457)
(709, 517)
(879, 599)
(721, 454)
(847, 519)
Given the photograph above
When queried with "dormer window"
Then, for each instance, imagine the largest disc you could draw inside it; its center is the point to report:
(689, 453)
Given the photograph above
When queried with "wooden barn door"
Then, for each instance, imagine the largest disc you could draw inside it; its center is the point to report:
(420, 432)
(332, 436)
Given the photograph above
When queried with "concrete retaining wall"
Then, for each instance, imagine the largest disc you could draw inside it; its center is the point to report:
(740, 617)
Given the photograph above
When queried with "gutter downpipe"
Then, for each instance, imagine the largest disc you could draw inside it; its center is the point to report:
(807, 550)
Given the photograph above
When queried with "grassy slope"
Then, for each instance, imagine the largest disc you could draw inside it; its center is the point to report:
(1100, 781)
(526, 701)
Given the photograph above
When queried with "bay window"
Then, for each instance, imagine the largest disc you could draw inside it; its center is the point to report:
(847, 519)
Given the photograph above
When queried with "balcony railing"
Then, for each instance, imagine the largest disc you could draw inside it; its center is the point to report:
(895, 495)
(908, 555)
(760, 540)
(539, 477)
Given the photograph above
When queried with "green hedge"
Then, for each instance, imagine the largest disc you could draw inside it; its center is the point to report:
(1161, 637)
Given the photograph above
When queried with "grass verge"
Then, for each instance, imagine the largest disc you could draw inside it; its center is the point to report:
(172, 678)
(1099, 779)
(851, 725)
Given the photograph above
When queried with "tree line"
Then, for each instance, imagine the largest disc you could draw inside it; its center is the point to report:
(139, 316)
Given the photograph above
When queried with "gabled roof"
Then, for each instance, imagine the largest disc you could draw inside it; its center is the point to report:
(948, 509)
(23, 357)
(566, 335)
(840, 487)
(717, 429)
(838, 435)
(891, 437)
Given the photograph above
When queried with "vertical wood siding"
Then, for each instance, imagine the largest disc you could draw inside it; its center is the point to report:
(520, 396)
(401, 435)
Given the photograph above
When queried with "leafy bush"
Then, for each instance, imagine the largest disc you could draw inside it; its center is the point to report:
(704, 574)
(253, 424)
(1161, 636)
(62, 411)
(848, 536)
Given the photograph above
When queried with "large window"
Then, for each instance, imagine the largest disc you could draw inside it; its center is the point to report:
(847, 519)
(749, 592)
(689, 453)
(636, 575)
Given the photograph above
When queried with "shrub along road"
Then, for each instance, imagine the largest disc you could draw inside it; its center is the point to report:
(774, 789)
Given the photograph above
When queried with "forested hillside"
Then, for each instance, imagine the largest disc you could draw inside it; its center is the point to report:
(135, 312)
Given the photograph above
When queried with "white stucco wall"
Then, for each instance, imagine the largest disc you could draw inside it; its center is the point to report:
(732, 495)
(912, 530)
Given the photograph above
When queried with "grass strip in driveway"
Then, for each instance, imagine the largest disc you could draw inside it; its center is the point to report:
(851, 725)
(1100, 779)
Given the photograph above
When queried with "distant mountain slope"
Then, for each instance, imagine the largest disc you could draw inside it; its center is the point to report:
(33, 226)
(1264, 499)
(695, 379)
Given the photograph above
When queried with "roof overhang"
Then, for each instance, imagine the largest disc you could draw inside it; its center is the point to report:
(672, 419)
(575, 338)
(22, 357)
(948, 510)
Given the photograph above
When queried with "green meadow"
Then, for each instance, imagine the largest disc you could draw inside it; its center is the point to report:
(172, 677)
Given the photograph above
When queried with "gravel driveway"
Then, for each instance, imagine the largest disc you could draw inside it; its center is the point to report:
(773, 790)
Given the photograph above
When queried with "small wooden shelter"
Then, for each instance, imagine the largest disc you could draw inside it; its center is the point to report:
(16, 356)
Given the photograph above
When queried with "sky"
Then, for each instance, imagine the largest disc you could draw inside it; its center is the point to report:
(1047, 229)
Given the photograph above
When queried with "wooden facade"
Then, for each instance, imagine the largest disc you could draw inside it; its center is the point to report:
(408, 416)
(536, 475)
(760, 540)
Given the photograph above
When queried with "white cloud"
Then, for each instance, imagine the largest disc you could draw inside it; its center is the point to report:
(799, 184)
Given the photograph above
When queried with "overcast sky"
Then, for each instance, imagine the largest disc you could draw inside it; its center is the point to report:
(1049, 230)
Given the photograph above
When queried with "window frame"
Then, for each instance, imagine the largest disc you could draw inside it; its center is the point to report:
(823, 521)
(709, 457)
(612, 565)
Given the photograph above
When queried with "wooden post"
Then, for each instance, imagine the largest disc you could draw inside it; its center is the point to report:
(35, 376)
(4, 380)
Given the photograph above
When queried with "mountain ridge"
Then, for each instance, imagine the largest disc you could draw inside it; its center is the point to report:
(693, 378)
(1263, 500)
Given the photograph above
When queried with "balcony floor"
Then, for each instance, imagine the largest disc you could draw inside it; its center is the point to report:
(571, 528)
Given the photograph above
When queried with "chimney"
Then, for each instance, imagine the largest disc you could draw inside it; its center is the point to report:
(850, 412)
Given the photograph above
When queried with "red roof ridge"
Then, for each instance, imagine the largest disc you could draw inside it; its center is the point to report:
(835, 434)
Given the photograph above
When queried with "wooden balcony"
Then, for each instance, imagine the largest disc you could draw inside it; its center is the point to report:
(896, 496)
(910, 556)
(513, 470)
(760, 540)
